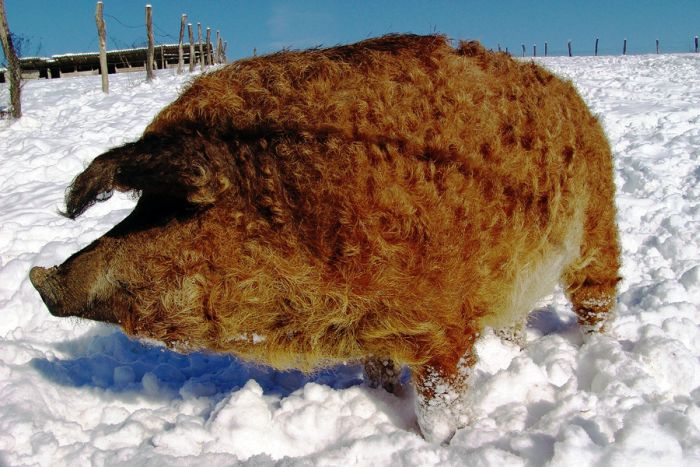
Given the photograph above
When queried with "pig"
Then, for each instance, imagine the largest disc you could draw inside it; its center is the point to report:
(383, 202)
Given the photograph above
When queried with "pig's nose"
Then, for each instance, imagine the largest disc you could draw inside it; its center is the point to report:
(38, 276)
(43, 281)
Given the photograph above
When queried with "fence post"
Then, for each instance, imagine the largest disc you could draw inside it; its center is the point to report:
(201, 52)
(180, 53)
(209, 57)
(545, 49)
(568, 45)
(101, 34)
(696, 44)
(523, 49)
(151, 52)
(192, 57)
(534, 50)
(596, 46)
(499, 47)
(217, 54)
(220, 53)
(624, 47)
(657, 47)
(13, 65)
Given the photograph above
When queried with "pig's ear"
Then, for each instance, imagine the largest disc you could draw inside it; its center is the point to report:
(96, 183)
(193, 170)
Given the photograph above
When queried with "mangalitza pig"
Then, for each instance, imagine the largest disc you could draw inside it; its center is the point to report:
(383, 202)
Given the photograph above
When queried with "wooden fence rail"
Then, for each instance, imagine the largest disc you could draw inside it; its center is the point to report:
(118, 61)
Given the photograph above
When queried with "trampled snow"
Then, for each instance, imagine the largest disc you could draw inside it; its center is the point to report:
(81, 393)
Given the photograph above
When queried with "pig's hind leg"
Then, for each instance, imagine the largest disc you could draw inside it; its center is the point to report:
(382, 372)
(591, 281)
(514, 333)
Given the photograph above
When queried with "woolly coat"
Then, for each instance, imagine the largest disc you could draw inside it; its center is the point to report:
(386, 198)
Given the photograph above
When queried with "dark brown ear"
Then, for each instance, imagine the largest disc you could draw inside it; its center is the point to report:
(194, 169)
(96, 183)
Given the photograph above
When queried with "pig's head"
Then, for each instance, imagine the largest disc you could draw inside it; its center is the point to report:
(202, 261)
(98, 282)
(181, 179)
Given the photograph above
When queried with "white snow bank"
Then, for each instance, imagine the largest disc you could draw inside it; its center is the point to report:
(76, 393)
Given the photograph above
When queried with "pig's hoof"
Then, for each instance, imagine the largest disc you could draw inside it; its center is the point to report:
(438, 426)
(439, 419)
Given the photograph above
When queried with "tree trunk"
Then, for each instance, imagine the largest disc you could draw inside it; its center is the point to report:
(13, 66)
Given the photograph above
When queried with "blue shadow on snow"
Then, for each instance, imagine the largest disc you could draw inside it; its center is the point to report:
(130, 367)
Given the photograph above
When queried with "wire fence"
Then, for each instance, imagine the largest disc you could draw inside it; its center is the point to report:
(156, 48)
(597, 47)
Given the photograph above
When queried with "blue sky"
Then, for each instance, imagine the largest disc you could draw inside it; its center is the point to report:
(63, 26)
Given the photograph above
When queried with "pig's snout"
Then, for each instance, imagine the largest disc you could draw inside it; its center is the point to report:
(45, 282)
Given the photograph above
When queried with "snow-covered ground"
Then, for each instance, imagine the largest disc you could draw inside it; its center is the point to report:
(80, 393)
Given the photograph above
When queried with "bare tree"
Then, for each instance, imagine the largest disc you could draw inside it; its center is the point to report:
(13, 66)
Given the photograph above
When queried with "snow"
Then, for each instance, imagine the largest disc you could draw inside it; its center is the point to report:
(80, 393)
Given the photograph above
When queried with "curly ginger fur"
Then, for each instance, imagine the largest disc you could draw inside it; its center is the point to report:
(387, 198)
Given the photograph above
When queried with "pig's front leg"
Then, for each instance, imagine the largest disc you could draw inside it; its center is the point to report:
(440, 388)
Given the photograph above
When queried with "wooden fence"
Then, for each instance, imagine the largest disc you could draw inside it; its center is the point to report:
(570, 48)
(118, 61)
(167, 56)
(126, 60)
